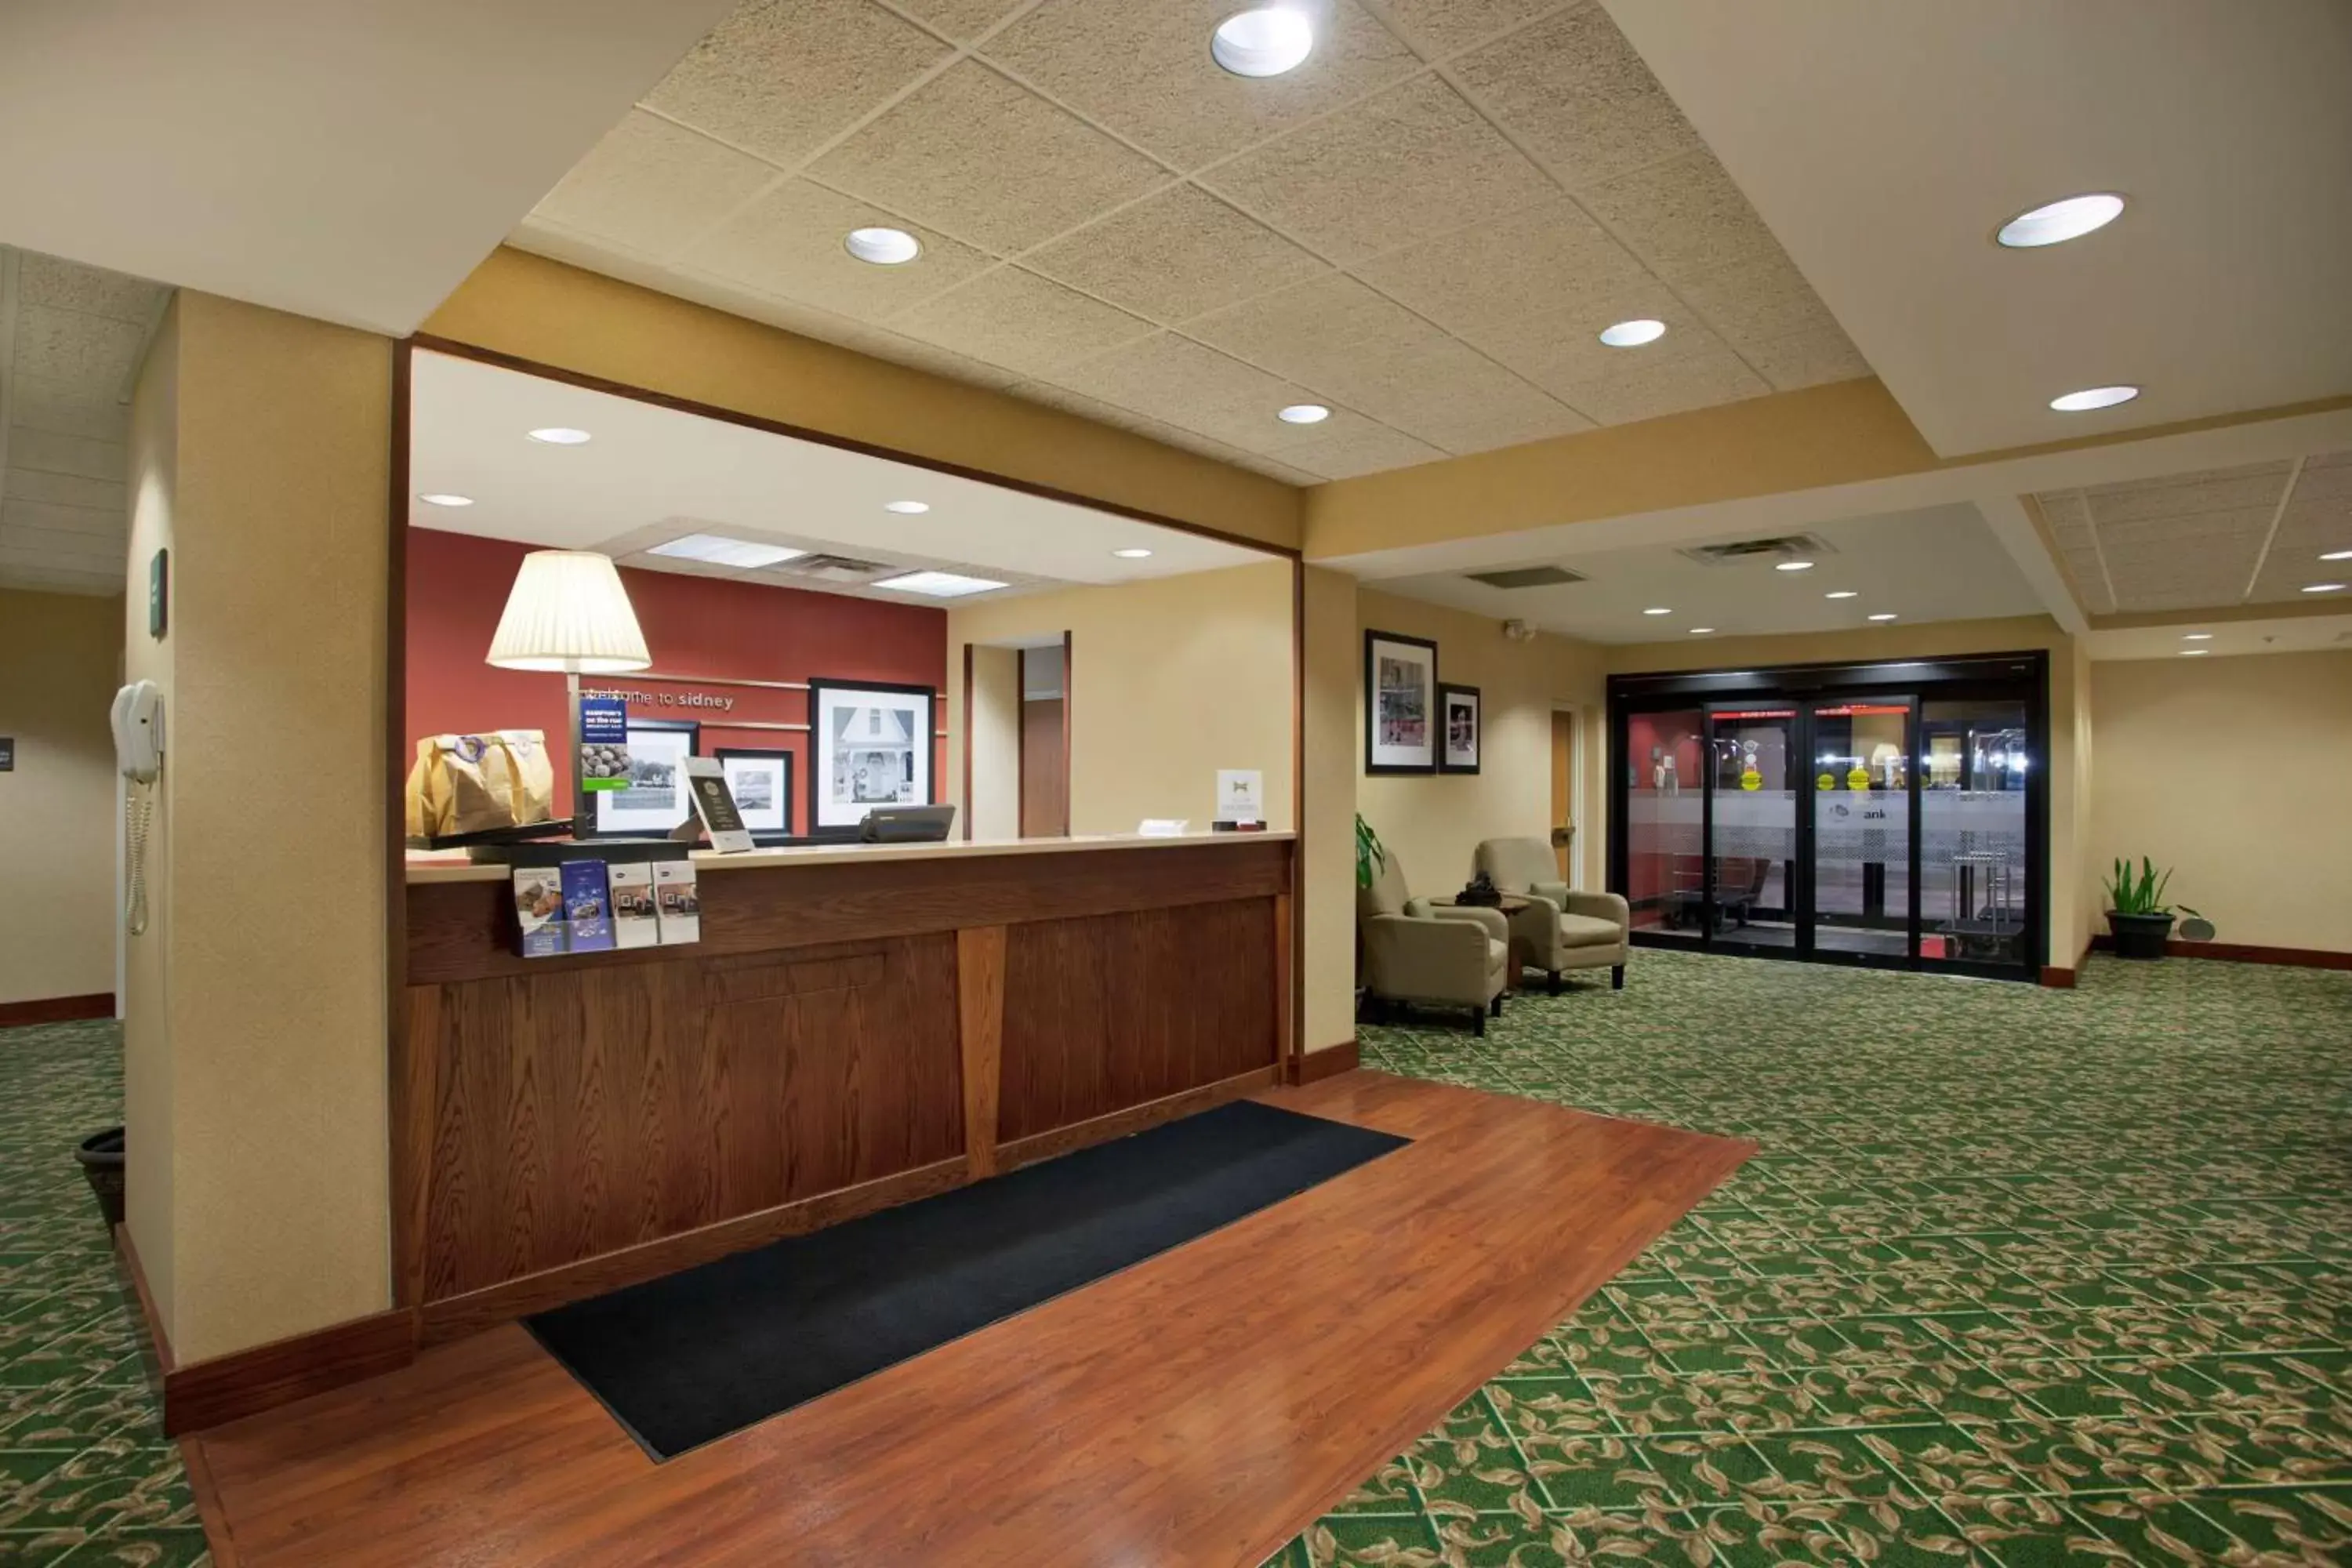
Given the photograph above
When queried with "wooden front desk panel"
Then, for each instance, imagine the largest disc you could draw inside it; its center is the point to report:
(845, 1036)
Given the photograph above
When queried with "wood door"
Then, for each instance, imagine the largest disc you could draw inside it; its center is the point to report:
(1563, 790)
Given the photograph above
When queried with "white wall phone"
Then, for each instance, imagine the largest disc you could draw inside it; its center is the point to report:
(138, 719)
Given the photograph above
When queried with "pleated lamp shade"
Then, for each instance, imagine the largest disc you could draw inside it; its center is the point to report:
(568, 611)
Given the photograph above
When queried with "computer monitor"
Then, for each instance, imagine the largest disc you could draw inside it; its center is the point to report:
(907, 824)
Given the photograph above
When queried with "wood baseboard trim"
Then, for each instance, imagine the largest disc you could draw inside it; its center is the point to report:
(2058, 979)
(454, 1317)
(1329, 1060)
(1134, 1119)
(207, 1394)
(2243, 953)
(56, 1010)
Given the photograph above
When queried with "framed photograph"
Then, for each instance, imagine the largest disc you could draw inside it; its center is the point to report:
(761, 781)
(1457, 712)
(871, 745)
(1400, 704)
(656, 800)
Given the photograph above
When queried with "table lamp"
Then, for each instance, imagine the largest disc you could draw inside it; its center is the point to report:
(568, 611)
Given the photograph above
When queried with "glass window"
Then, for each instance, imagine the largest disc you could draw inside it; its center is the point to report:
(1754, 855)
(1974, 758)
(1664, 865)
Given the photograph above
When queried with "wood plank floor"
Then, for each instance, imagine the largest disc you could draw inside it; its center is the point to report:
(1197, 1409)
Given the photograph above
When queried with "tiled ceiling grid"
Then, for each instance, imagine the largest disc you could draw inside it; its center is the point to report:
(2249, 535)
(71, 337)
(1424, 227)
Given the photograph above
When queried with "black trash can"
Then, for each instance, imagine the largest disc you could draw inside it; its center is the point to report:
(100, 1155)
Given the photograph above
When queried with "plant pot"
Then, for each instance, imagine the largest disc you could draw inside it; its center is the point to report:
(101, 1156)
(2139, 936)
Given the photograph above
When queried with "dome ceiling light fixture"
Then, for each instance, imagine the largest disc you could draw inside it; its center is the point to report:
(882, 246)
(1632, 334)
(1303, 414)
(1264, 41)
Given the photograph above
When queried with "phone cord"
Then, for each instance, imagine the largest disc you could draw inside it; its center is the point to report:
(135, 913)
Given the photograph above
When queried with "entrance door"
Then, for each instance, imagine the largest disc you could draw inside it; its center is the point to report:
(1563, 791)
(1861, 884)
(1753, 758)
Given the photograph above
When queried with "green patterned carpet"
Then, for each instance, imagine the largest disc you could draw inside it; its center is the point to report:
(86, 1475)
(2019, 1277)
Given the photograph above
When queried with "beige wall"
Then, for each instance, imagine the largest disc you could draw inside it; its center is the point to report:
(2072, 913)
(558, 315)
(1432, 822)
(2235, 773)
(1326, 964)
(261, 449)
(1170, 680)
(995, 728)
(60, 660)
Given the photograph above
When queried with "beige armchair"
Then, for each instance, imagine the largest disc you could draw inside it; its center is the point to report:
(1428, 954)
(1559, 930)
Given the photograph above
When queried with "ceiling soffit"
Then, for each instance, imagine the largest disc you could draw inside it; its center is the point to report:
(1422, 228)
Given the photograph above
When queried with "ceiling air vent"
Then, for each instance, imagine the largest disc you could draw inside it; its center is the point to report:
(1527, 577)
(1789, 547)
(832, 568)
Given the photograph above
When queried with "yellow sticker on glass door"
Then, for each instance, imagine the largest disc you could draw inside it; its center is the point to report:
(1751, 779)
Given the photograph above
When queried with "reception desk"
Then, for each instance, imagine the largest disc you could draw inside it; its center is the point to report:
(859, 1026)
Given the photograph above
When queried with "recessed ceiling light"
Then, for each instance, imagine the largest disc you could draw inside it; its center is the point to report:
(561, 435)
(1632, 334)
(882, 247)
(1883, 616)
(1266, 41)
(1658, 610)
(2337, 555)
(2060, 221)
(2323, 588)
(1134, 553)
(2196, 637)
(1304, 414)
(907, 507)
(2091, 397)
(2194, 652)
(1841, 593)
(719, 551)
(939, 585)
(1700, 631)
(444, 499)
(1792, 566)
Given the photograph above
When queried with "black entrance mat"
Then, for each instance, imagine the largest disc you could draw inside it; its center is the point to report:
(697, 1355)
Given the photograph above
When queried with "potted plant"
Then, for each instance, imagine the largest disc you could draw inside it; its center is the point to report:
(2136, 912)
(1369, 856)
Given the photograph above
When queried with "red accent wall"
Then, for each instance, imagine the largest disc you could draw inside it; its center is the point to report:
(694, 626)
(1649, 870)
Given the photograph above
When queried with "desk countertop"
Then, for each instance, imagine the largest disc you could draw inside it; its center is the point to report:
(451, 866)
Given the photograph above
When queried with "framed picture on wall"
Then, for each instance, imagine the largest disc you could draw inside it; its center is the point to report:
(870, 745)
(1400, 704)
(762, 783)
(655, 800)
(1457, 712)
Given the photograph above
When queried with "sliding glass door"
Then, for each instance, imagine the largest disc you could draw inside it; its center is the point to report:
(1889, 815)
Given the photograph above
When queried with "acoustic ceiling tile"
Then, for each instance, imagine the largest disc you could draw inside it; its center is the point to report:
(49, 453)
(99, 352)
(1448, 26)
(1810, 358)
(1562, 346)
(71, 286)
(1174, 256)
(2068, 518)
(62, 489)
(79, 408)
(1702, 379)
(1577, 96)
(650, 186)
(66, 526)
(1182, 383)
(971, 154)
(2178, 495)
(1682, 217)
(1020, 322)
(962, 20)
(790, 242)
(779, 77)
(1406, 165)
(2204, 529)
(1485, 280)
(1362, 447)
(1755, 300)
(1145, 72)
